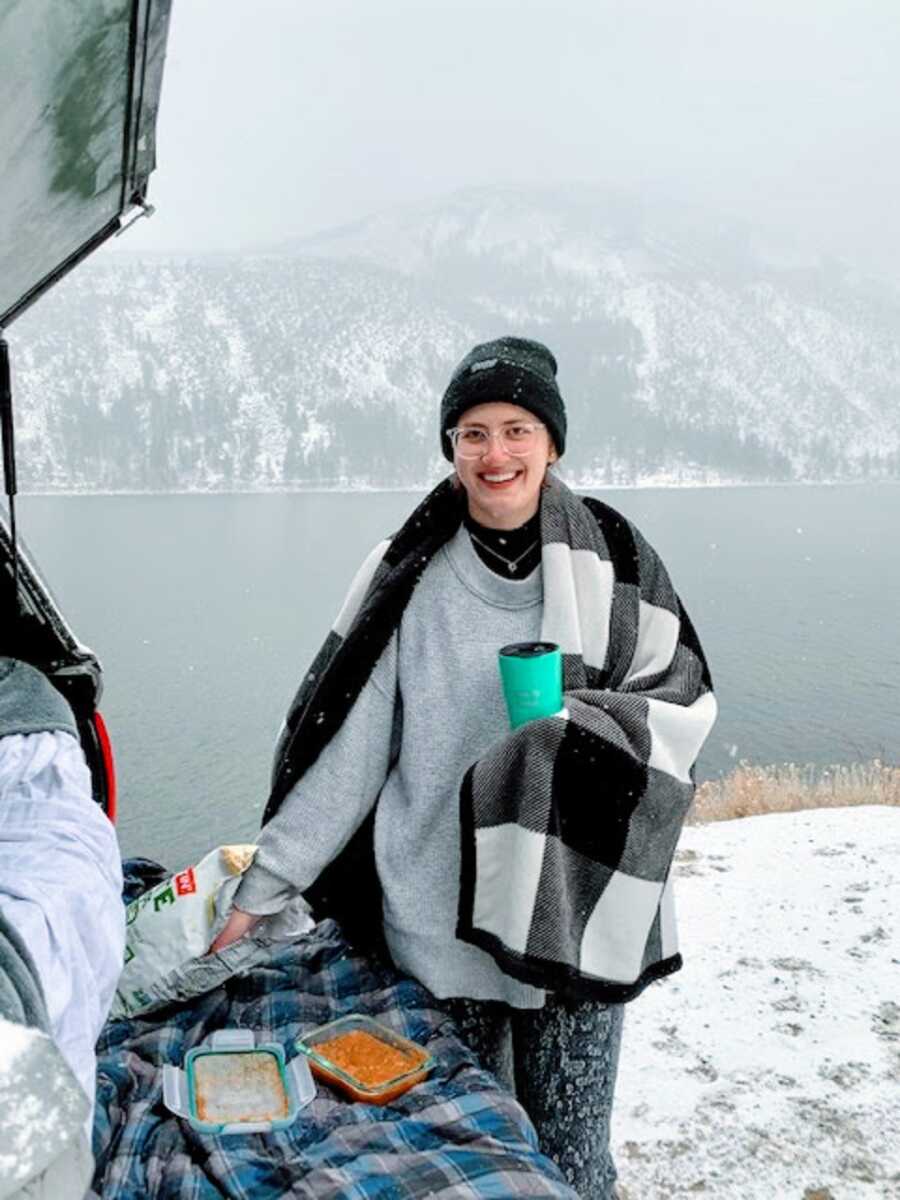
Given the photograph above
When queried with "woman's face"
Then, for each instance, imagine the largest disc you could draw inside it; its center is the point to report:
(503, 489)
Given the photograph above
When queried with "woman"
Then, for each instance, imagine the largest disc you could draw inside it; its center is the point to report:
(522, 877)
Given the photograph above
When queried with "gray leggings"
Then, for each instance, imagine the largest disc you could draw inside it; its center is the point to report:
(560, 1061)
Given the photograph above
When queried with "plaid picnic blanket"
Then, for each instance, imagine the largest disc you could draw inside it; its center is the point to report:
(457, 1134)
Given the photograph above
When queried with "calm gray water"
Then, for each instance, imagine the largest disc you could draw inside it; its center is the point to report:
(206, 609)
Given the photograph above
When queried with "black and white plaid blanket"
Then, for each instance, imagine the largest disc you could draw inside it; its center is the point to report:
(569, 825)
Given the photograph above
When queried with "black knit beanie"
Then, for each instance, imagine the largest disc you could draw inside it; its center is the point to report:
(512, 369)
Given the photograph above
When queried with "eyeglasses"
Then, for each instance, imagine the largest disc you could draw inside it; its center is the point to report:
(471, 441)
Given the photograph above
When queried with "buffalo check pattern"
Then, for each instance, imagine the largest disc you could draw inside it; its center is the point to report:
(569, 825)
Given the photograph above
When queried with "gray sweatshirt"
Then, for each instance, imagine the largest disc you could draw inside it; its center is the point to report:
(440, 667)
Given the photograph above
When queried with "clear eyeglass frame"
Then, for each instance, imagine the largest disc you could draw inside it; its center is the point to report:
(518, 439)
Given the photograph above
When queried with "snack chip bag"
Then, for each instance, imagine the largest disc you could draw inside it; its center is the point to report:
(169, 929)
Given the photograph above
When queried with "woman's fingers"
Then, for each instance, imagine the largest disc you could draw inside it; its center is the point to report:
(235, 927)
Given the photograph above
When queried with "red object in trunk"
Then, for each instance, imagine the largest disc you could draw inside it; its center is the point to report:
(109, 766)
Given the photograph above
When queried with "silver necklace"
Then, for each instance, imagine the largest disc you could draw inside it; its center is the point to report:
(511, 564)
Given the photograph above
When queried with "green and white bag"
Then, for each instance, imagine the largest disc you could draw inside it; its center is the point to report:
(170, 927)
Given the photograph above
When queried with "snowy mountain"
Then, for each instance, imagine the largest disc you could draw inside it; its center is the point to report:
(688, 352)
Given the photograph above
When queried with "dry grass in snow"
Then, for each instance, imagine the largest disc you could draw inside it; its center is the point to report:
(750, 790)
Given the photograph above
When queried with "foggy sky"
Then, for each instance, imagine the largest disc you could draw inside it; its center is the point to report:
(284, 117)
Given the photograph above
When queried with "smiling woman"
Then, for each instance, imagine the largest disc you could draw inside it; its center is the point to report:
(501, 459)
(522, 876)
(500, 452)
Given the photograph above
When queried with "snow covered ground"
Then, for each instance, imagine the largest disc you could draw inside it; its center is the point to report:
(770, 1065)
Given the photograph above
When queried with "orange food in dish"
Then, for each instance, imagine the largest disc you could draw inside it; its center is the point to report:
(368, 1059)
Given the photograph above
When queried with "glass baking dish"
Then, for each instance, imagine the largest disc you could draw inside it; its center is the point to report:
(365, 1059)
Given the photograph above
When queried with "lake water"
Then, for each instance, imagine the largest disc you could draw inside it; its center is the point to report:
(206, 609)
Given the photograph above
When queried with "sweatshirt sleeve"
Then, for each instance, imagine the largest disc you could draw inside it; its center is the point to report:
(329, 803)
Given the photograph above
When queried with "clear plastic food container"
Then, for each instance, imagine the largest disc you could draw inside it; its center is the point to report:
(365, 1059)
(231, 1084)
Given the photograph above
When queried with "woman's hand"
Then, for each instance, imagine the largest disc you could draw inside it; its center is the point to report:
(235, 927)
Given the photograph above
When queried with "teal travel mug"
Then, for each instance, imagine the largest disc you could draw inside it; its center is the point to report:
(531, 673)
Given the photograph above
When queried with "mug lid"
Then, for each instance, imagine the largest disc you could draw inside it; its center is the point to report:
(528, 649)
